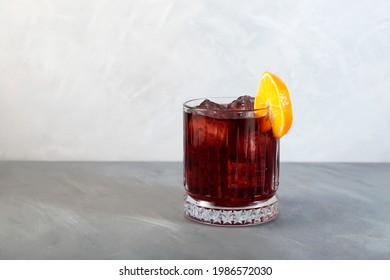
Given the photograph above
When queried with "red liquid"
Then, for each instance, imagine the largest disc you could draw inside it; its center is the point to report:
(229, 162)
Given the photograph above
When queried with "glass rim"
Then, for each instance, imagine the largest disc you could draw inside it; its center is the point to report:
(185, 105)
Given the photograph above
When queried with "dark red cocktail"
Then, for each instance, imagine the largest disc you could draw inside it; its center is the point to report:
(231, 162)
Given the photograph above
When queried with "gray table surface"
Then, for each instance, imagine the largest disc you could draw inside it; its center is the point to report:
(75, 210)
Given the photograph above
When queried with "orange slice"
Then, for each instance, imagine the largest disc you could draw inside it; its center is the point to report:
(274, 93)
(265, 124)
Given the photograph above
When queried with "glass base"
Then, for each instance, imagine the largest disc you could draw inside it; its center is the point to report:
(254, 214)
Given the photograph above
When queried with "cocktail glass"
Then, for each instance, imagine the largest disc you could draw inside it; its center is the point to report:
(231, 164)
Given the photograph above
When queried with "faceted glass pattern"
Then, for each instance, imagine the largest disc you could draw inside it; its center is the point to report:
(262, 213)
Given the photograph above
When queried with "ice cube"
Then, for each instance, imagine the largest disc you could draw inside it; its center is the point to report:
(245, 102)
(208, 104)
(210, 109)
(208, 131)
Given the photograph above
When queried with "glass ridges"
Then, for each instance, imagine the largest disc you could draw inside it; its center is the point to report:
(224, 217)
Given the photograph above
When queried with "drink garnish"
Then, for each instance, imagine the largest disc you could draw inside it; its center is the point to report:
(273, 93)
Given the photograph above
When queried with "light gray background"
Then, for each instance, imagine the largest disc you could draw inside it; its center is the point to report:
(105, 79)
